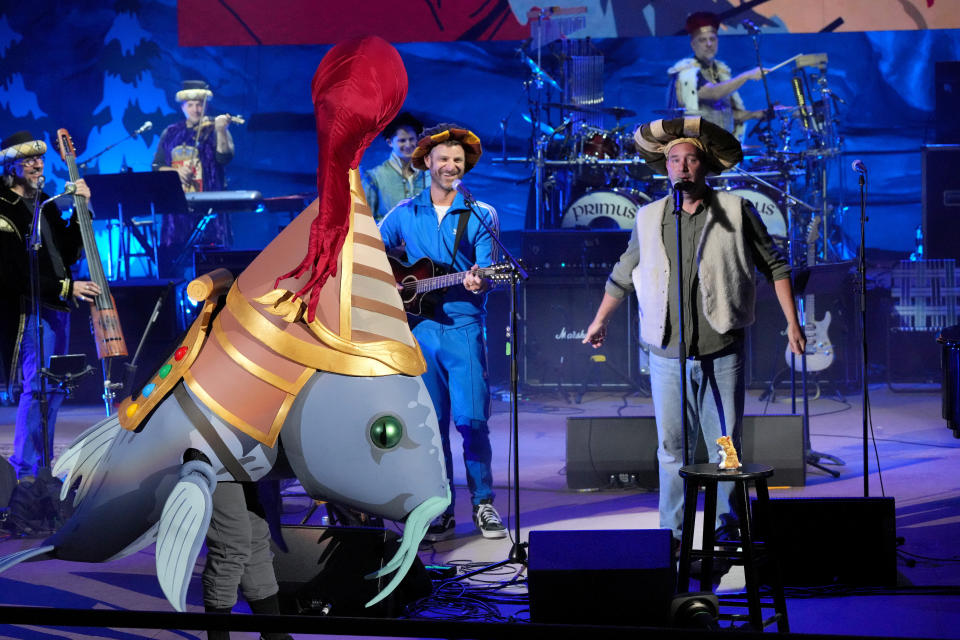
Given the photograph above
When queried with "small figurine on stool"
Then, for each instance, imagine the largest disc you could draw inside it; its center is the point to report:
(728, 454)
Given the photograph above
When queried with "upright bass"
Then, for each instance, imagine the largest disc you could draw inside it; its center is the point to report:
(103, 309)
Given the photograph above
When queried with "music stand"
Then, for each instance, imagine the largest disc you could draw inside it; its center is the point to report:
(144, 193)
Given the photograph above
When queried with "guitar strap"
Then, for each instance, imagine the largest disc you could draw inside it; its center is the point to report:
(461, 227)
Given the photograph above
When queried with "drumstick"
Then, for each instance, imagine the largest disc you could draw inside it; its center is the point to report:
(788, 61)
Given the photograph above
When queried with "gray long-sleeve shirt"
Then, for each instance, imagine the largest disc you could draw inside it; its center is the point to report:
(700, 337)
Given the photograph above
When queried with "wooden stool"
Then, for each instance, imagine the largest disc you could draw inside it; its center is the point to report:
(753, 551)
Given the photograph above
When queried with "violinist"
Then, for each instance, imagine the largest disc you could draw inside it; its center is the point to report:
(199, 147)
(21, 190)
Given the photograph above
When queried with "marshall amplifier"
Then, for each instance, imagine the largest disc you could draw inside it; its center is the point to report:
(555, 313)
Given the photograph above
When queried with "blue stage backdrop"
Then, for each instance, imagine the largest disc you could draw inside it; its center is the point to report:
(102, 69)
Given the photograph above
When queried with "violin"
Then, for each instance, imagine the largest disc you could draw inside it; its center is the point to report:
(207, 120)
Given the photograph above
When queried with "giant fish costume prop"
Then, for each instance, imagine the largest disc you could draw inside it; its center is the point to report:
(315, 369)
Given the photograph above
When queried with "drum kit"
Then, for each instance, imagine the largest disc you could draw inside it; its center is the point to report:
(588, 174)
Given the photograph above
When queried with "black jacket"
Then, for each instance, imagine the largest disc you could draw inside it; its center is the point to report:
(16, 218)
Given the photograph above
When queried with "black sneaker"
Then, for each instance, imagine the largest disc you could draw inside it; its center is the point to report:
(487, 519)
(441, 529)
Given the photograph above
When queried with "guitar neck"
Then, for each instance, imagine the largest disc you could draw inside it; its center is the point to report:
(447, 280)
(85, 221)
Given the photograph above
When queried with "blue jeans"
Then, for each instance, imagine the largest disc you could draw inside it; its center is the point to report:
(714, 405)
(28, 438)
(456, 379)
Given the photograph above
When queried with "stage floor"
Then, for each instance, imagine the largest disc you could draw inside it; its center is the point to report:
(918, 455)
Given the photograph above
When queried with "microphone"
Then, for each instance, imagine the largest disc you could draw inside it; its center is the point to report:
(678, 189)
(859, 167)
(146, 126)
(68, 189)
(462, 188)
(751, 28)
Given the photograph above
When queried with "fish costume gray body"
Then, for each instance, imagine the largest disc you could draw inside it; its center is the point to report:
(315, 369)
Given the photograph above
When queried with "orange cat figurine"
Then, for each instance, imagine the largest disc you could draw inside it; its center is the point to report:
(728, 454)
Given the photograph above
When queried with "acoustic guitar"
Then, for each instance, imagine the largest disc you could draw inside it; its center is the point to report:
(422, 283)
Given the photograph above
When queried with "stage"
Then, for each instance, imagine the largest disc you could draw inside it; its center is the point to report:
(918, 456)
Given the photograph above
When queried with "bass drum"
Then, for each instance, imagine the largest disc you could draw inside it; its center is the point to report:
(604, 209)
(770, 212)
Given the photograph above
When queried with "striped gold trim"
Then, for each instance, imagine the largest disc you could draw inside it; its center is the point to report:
(369, 241)
(367, 271)
(252, 367)
(380, 307)
(335, 355)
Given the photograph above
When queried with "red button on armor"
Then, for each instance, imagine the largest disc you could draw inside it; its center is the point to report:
(179, 354)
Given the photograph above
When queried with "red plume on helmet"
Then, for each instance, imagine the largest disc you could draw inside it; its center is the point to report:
(358, 88)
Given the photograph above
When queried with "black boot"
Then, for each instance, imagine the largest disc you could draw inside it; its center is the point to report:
(217, 634)
(268, 606)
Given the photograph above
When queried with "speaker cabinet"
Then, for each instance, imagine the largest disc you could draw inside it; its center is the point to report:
(831, 290)
(941, 201)
(824, 541)
(8, 480)
(136, 300)
(323, 572)
(610, 577)
(555, 313)
(599, 449)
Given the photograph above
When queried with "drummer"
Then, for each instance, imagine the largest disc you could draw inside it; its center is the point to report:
(702, 85)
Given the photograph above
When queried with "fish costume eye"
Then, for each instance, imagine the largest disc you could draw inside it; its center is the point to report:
(386, 432)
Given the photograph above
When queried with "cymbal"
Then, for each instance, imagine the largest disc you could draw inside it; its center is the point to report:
(670, 113)
(616, 112)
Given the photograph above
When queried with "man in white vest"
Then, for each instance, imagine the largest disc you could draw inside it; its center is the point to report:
(705, 86)
(723, 241)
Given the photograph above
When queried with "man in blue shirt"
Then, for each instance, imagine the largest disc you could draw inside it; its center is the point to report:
(452, 338)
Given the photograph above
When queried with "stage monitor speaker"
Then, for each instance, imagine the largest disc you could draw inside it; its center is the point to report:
(323, 572)
(941, 202)
(8, 480)
(609, 577)
(555, 313)
(826, 541)
(602, 452)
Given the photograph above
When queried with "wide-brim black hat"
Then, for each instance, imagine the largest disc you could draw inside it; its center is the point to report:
(21, 144)
(721, 148)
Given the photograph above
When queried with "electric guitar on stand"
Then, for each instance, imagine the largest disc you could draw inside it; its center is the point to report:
(819, 351)
(424, 281)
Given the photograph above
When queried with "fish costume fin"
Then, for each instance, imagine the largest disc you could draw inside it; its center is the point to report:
(183, 525)
(81, 459)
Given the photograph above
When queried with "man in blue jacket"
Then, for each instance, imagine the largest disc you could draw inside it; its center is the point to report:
(429, 225)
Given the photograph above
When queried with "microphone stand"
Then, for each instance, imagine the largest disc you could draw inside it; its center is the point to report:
(33, 249)
(862, 282)
(131, 367)
(678, 190)
(83, 165)
(755, 35)
(518, 552)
